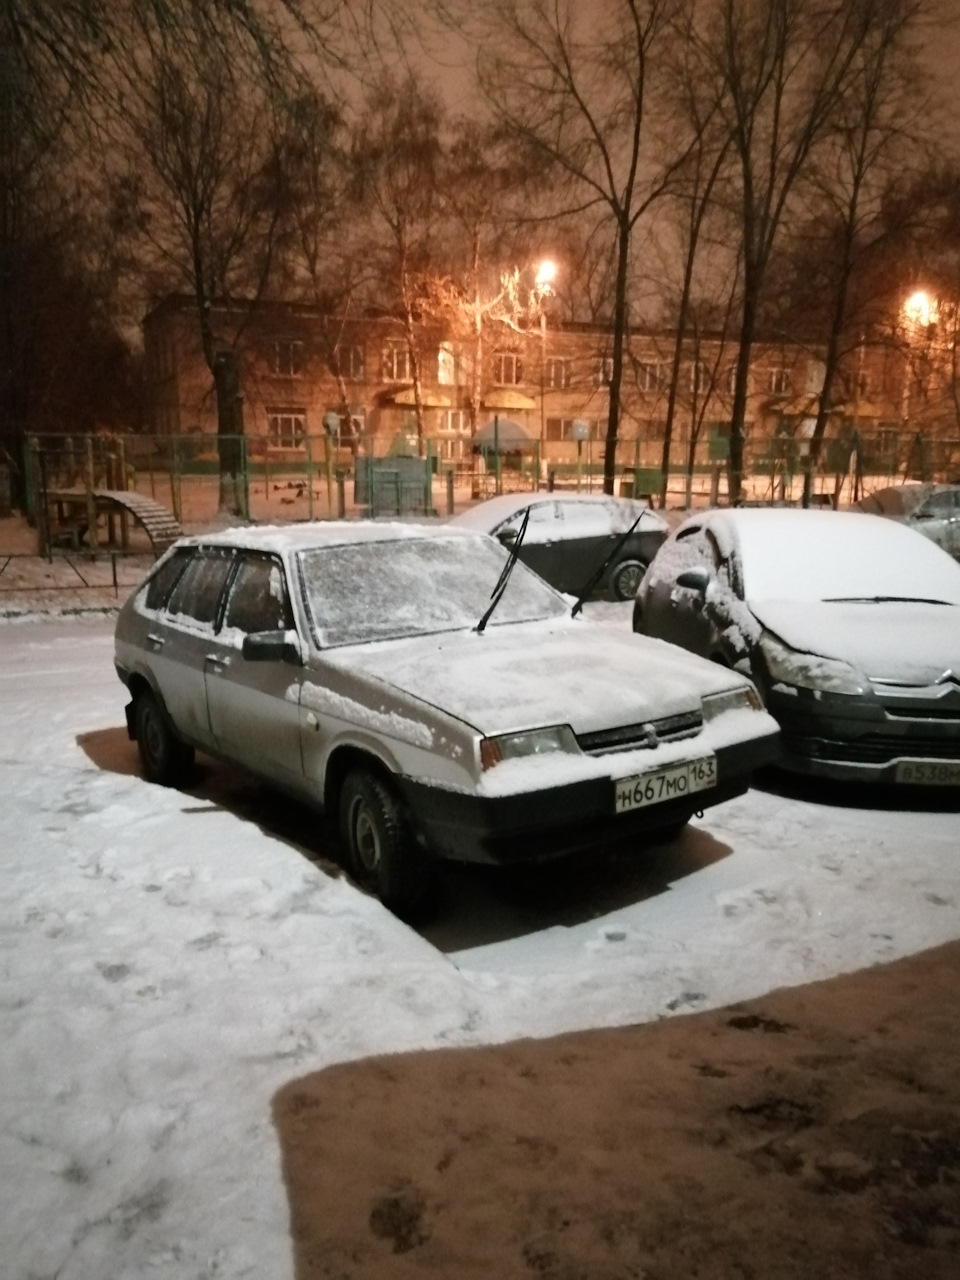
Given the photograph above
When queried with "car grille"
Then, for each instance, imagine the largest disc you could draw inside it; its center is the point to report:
(924, 713)
(874, 748)
(631, 737)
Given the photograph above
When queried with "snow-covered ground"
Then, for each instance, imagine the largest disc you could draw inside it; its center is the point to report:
(170, 959)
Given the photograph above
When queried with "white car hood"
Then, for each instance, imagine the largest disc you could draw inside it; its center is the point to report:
(901, 641)
(520, 677)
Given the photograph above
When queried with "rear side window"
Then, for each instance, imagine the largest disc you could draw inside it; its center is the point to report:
(197, 593)
(258, 598)
(162, 582)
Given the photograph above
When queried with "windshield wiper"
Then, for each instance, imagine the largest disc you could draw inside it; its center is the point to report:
(881, 600)
(603, 568)
(496, 595)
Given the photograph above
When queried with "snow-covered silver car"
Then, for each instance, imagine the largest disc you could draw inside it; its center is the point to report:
(435, 695)
(849, 625)
(588, 543)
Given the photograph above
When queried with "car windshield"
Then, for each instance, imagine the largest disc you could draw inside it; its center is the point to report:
(382, 590)
(841, 556)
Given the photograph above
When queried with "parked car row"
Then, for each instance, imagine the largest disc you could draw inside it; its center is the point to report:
(442, 700)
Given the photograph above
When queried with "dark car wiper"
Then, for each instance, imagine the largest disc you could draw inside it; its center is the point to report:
(603, 568)
(496, 595)
(882, 600)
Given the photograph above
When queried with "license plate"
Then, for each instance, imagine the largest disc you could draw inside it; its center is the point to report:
(665, 784)
(929, 773)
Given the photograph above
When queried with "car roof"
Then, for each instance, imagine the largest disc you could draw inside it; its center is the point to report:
(823, 541)
(486, 515)
(309, 535)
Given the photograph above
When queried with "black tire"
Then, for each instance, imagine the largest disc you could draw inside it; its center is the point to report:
(379, 850)
(626, 578)
(164, 757)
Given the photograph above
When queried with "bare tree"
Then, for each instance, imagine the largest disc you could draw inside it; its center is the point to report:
(694, 200)
(200, 144)
(397, 155)
(873, 137)
(779, 69)
(580, 89)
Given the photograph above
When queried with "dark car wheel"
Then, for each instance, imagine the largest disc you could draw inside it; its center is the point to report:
(164, 757)
(626, 578)
(379, 849)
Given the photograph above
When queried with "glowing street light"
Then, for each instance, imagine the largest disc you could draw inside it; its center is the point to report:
(546, 274)
(920, 309)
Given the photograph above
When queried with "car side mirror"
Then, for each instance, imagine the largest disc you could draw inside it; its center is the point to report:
(507, 537)
(696, 579)
(272, 646)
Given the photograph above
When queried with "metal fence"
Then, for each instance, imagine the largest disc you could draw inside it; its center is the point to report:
(320, 480)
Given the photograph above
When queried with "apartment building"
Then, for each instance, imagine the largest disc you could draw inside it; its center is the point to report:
(304, 373)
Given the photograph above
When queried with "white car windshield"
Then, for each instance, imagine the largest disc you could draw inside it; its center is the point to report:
(382, 590)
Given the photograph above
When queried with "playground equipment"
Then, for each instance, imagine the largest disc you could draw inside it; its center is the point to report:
(82, 498)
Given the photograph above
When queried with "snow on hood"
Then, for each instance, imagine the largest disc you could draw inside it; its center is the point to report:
(527, 676)
(900, 640)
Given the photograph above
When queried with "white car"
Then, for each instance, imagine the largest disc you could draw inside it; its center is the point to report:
(848, 624)
(430, 691)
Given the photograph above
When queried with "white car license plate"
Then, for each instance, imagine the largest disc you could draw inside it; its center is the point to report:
(665, 784)
(929, 773)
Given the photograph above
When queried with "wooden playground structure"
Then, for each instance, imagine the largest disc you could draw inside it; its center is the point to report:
(84, 498)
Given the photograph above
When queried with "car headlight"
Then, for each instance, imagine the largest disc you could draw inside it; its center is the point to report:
(532, 742)
(744, 699)
(808, 670)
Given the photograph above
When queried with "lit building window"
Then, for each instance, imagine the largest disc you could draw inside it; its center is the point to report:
(507, 369)
(397, 365)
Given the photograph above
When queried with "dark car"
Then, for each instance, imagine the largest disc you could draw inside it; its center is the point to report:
(437, 698)
(931, 509)
(569, 537)
(848, 624)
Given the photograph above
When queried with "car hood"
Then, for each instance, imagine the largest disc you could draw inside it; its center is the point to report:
(900, 641)
(518, 677)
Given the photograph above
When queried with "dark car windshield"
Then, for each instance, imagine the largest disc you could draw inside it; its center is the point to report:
(381, 590)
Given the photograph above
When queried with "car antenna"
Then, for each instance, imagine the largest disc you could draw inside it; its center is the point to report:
(603, 568)
(496, 595)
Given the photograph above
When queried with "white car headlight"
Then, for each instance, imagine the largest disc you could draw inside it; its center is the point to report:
(808, 670)
(532, 742)
(744, 699)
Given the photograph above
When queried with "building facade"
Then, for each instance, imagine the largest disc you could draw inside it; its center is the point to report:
(305, 374)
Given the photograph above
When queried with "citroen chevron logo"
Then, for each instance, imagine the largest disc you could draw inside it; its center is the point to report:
(948, 677)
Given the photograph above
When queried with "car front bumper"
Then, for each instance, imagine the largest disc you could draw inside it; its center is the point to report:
(537, 825)
(867, 739)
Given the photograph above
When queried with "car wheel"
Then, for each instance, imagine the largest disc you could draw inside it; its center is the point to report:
(626, 578)
(379, 848)
(164, 757)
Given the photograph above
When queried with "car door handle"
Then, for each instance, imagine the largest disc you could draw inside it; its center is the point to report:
(312, 721)
(218, 660)
(155, 641)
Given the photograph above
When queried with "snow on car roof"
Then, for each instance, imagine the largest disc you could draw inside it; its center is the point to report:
(789, 553)
(284, 539)
(491, 512)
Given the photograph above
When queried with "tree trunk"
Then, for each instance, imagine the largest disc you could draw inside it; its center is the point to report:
(226, 379)
(619, 338)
